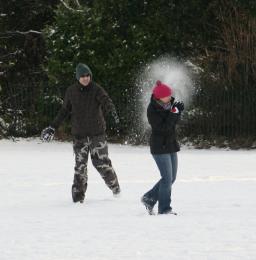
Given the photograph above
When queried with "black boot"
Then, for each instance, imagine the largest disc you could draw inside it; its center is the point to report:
(77, 194)
(149, 205)
(116, 192)
(169, 211)
(79, 188)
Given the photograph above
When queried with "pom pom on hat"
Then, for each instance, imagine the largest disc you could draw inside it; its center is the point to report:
(161, 90)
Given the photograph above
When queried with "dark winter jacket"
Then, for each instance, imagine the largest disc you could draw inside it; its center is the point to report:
(163, 122)
(87, 106)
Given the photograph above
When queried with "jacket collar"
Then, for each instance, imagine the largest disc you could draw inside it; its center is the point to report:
(85, 88)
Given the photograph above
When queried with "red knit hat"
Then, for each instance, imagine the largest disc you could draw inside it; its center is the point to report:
(161, 90)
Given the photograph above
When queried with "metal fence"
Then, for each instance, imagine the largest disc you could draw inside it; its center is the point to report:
(227, 114)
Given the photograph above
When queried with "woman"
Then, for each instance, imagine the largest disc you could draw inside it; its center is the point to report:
(163, 115)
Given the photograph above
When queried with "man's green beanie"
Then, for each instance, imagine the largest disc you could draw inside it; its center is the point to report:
(82, 69)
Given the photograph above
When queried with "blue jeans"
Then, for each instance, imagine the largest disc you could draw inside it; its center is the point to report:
(161, 192)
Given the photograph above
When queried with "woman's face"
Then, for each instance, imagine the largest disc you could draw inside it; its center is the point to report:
(166, 99)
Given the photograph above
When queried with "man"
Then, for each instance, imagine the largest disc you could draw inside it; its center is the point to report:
(87, 102)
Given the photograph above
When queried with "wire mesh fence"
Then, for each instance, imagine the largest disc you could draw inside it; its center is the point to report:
(226, 114)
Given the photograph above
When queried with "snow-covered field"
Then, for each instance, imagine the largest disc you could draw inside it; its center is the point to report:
(215, 197)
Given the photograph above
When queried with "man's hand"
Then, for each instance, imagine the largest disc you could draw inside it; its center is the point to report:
(47, 134)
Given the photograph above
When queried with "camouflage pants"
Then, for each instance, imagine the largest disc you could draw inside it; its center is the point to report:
(98, 148)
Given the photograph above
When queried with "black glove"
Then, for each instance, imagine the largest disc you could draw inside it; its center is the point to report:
(179, 105)
(116, 118)
(48, 134)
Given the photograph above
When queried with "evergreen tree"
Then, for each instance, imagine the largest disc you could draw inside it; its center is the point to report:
(22, 52)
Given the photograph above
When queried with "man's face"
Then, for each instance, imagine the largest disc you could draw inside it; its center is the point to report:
(85, 79)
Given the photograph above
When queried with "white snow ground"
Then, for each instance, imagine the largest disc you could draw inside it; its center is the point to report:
(215, 197)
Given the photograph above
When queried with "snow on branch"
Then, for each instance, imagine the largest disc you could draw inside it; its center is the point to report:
(70, 8)
(19, 32)
(78, 4)
(9, 54)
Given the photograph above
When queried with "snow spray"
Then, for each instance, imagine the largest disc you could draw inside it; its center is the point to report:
(171, 72)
